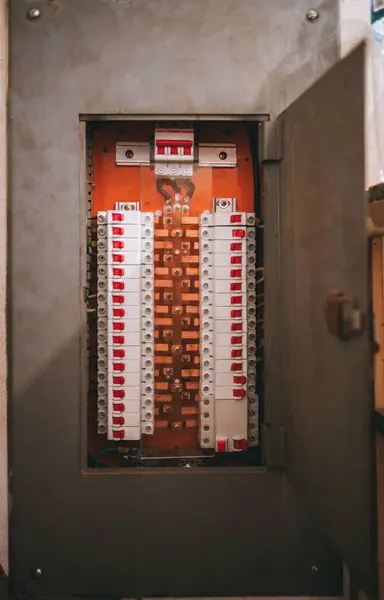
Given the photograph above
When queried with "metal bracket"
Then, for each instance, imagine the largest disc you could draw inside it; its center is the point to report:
(209, 155)
(273, 440)
(271, 147)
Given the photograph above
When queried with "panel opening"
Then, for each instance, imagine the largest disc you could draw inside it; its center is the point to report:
(175, 294)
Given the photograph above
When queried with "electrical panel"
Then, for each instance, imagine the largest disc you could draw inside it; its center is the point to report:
(175, 294)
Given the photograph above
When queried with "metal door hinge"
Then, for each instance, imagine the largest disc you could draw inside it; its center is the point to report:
(271, 147)
(273, 446)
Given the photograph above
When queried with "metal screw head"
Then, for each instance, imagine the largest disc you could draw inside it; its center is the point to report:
(312, 15)
(223, 155)
(33, 14)
(314, 570)
(129, 154)
(37, 573)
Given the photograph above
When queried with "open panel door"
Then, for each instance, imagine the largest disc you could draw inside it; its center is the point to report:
(327, 380)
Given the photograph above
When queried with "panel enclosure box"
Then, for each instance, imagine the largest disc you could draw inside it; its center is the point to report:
(86, 52)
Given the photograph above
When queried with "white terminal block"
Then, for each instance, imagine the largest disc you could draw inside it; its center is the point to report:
(206, 220)
(122, 231)
(206, 260)
(235, 379)
(234, 261)
(230, 339)
(251, 219)
(118, 272)
(124, 312)
(124, 245)
(229, 246)
(126, 285)
(147, 218)
(232, 300)
(123, 298)
(231, 327)
(231, 352)
(232, 272)
(118, 257)
(221, 219)
(231, 392)
(124, 419)
(231, 365)
(125, 395)
(122, 217)
(131, 380)
(124, 339)
(223, 286)
(124, 433)
(229, 233)
(125, 326)
(225, 312)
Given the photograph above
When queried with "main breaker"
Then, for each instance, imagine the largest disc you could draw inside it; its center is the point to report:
(175, 338)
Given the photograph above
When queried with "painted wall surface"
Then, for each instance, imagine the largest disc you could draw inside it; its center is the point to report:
(354, 26)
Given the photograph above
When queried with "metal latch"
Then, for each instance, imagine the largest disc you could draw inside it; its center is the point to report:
(343, 316)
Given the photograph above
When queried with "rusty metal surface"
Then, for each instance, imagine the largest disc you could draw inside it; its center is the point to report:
(326, 381)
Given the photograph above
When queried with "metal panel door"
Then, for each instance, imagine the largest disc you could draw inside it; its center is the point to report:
(325, 379)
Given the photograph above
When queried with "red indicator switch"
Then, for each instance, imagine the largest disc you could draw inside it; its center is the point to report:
(118, 366)
(221, 445)
(238, 233)
(118, 326)
(118, 286)
(236, 247)
(118, 339)
(117, 231)
(117, 258)
(236, 339)
(119, 353)
(236, 260)
(236, 367)
(118, 312)
(118, 244)
(237, 326)
(236, 286)
(117, 217)
(118, 407)
(118, 394)
(238, 393)
(236, 299)
(235, 219)
(235, 273)
(118, 435)
(118, 272)
(236, 353)
(236, 314)
(117, 299)
(239, 380)
(118, 421)
(118, 380)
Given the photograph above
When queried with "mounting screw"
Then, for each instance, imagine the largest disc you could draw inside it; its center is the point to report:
(223, 155)
(314, 570)
(38, 573)
(312, 15)
(33, 14)
(129, 154)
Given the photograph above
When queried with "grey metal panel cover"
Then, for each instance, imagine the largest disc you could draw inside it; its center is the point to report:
(326, 381)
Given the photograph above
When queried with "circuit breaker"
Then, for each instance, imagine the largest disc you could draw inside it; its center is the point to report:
(178, 287)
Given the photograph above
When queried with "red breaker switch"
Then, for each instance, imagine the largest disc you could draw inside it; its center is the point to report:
(235, 219)
(118, 286)
(236, 273)
(239, 380)
(118, 435)
(117, 231)
(236, 260)
(238, 393)
(236, 326)
(119, 353)
(237, 353)
(238, 233)
(236, 299)
(236, 247)
(118, 366)
(119, 326)
(236, 314)
(118, 380)
(118, 394)
(117, 299)
(221, 445)
(117, 258)
(118, 406)
(236, 287)
(118, 421)
(236, 367)
(118, 339)
(239, 443)
(236, 339)
(118, 272)
(117, 217)
(118, 245)
(118, 312)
